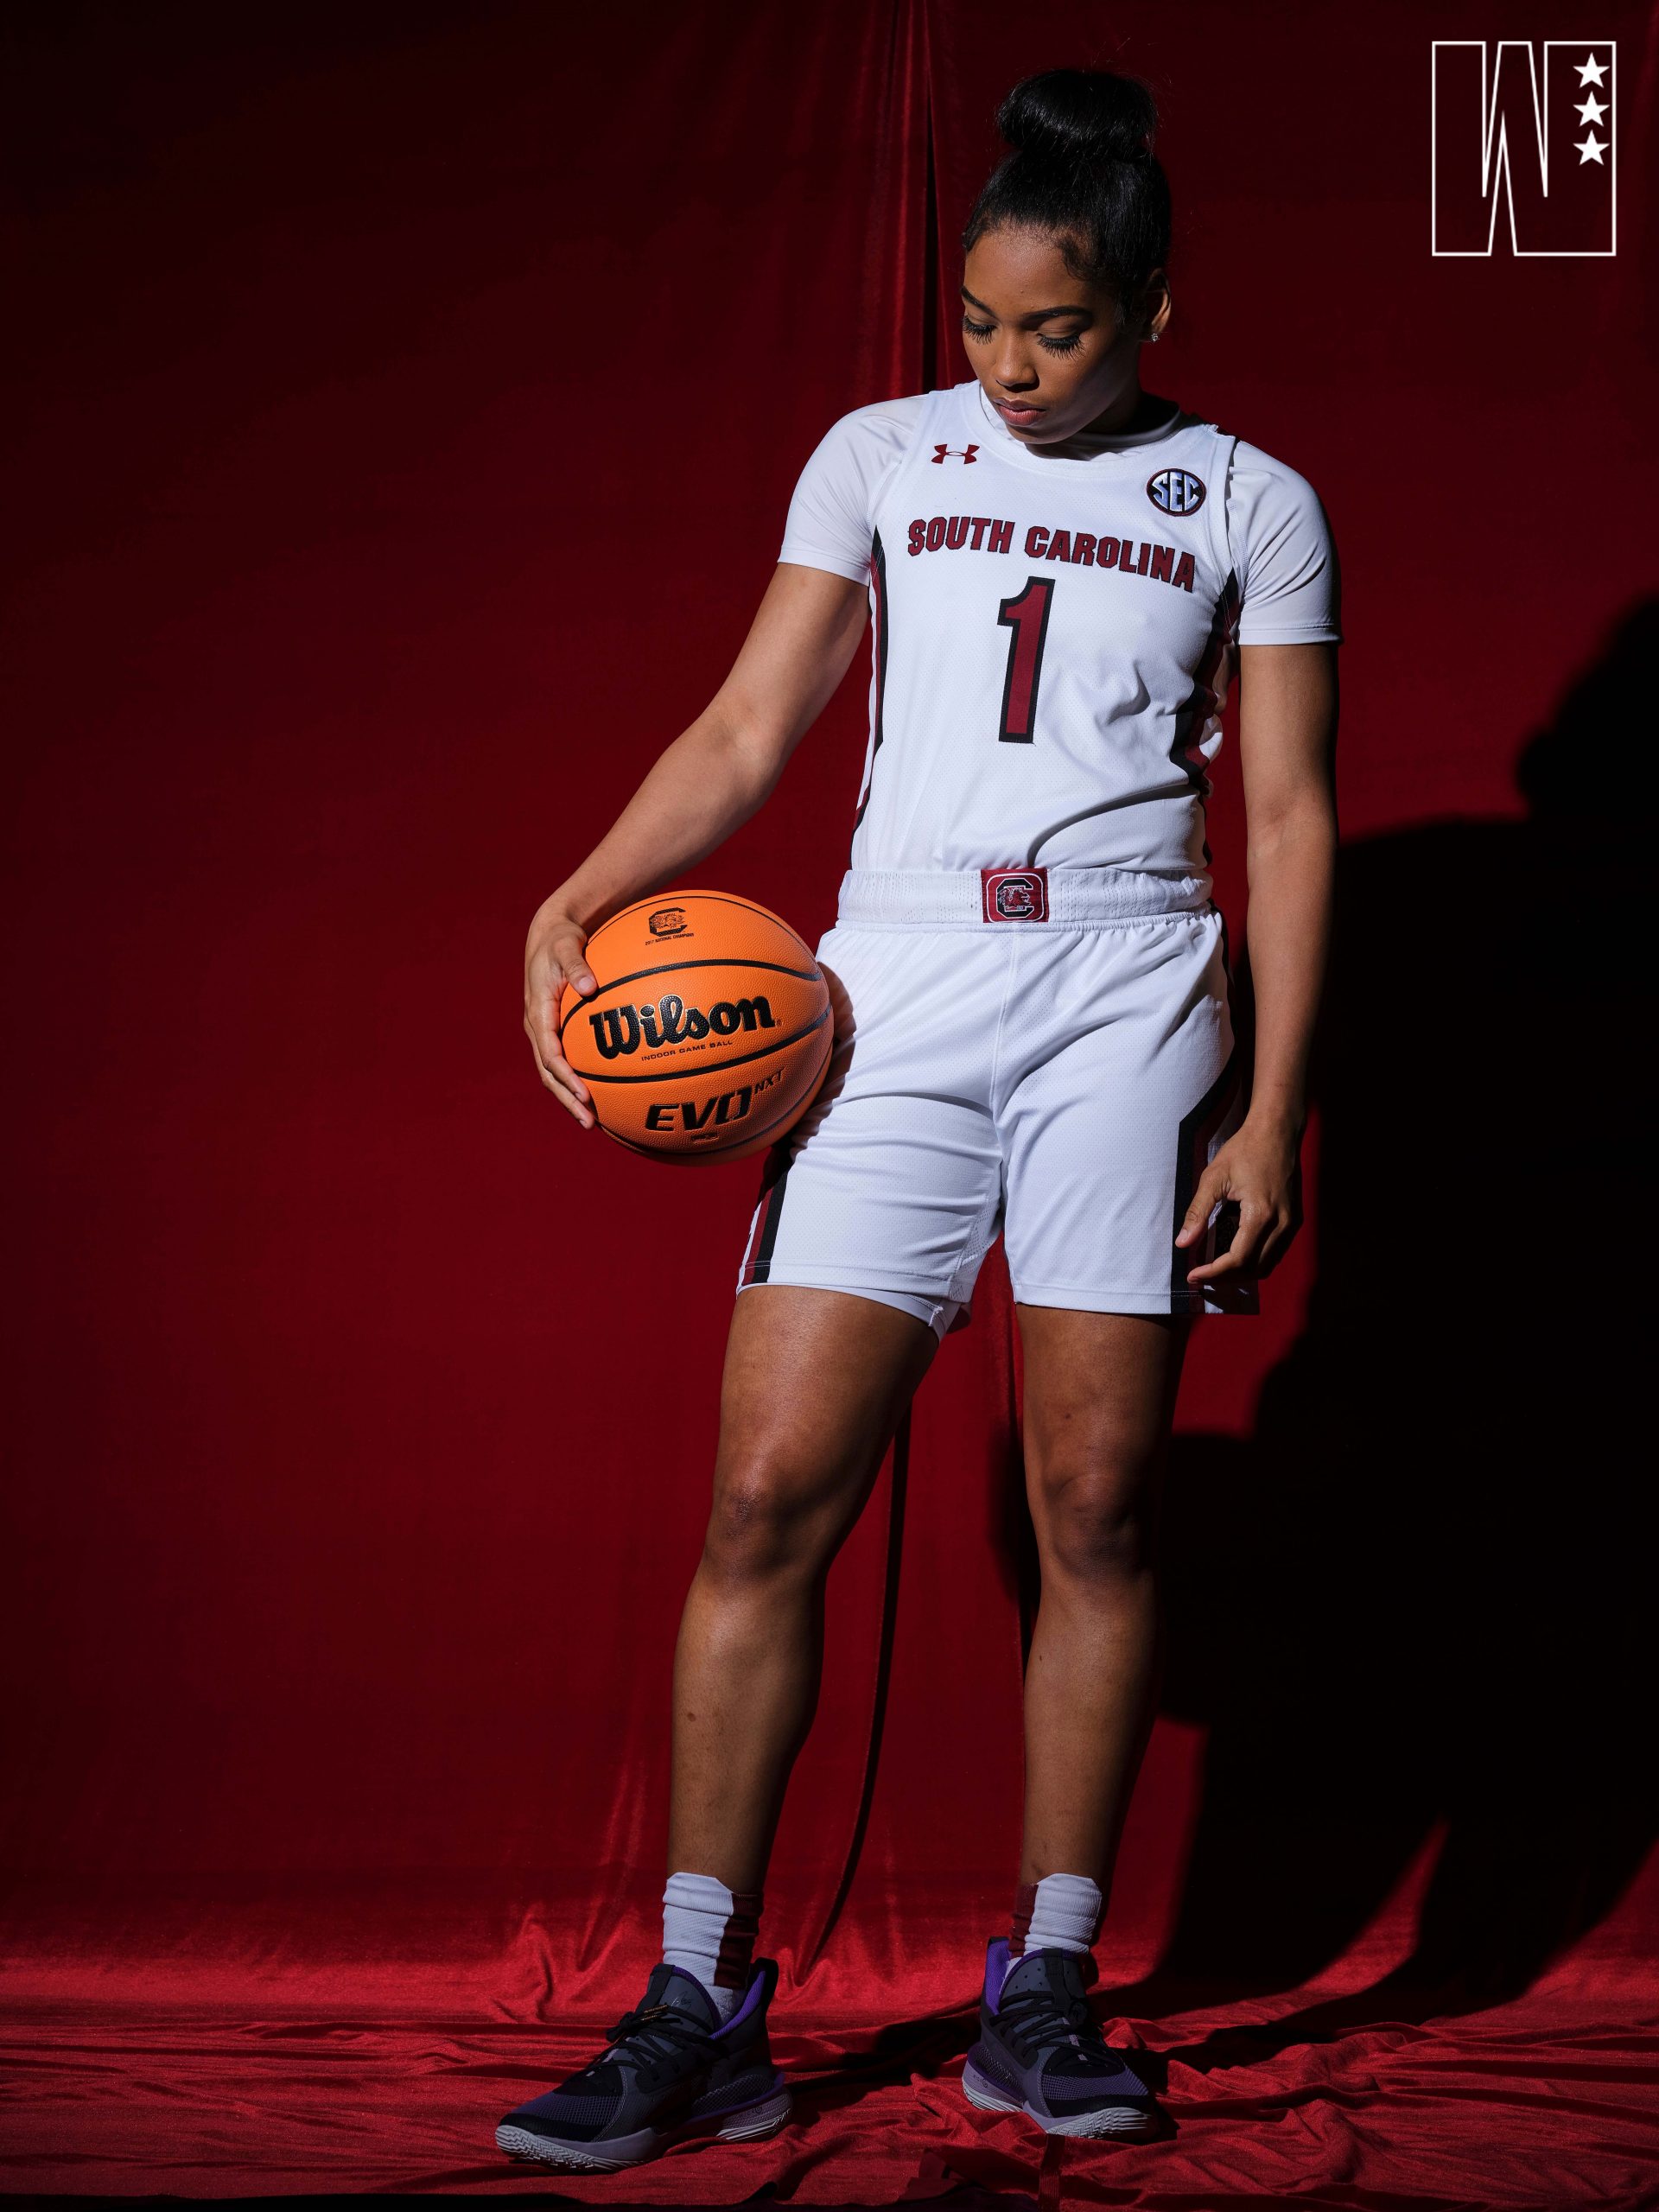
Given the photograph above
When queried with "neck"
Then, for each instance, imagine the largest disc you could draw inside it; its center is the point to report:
(1132, 410)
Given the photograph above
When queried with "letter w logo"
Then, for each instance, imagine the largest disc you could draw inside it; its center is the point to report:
(1537, 142)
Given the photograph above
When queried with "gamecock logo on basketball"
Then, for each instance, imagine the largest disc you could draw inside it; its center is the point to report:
(622, 1029)
(667, 921)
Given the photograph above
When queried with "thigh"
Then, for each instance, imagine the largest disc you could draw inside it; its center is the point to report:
(1099, 1398)
(891, 1185)
(814, 1384)
(1125, 1083)
(1099, 1402)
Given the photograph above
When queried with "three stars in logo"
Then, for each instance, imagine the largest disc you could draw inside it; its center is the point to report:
(1590, 148)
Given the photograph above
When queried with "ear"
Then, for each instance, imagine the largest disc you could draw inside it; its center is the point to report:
(1156, 305)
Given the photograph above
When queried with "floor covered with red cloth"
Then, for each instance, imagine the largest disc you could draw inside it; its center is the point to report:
(382, 2063)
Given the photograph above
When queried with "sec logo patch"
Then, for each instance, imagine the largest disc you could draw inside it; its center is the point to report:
(1176, 491)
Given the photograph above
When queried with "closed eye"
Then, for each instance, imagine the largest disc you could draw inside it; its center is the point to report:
(971, 329)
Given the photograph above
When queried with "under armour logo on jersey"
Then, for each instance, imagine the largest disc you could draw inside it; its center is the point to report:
(1176, 491)
(964, 456)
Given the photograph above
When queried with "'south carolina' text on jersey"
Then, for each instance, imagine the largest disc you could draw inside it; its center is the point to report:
(1164, 564)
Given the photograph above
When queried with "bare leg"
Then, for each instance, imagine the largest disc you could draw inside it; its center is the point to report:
(815, 1382)
(1100, 1396)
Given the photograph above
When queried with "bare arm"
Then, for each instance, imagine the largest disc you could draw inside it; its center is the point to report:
(1288, 728)
(711, 778)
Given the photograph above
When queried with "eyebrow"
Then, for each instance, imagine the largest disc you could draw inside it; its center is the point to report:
(1037, 315)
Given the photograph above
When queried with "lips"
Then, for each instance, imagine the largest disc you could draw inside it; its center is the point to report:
(1014, 407)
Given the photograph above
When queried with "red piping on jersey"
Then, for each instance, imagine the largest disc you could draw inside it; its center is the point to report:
(879, 583)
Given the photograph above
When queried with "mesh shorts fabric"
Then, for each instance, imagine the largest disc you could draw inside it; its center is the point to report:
(1062, 1083)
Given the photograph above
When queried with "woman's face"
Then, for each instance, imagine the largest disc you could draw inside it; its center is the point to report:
(1044, 345)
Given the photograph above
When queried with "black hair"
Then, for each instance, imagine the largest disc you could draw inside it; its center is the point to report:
(1082, 167)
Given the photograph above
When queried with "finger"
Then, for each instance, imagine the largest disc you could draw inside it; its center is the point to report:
(1239, 1258)
(1276, 1244)
(1212, 1270)
(582, 1115)
(542, 1027)
(554, 1069)
(564, 946)
(1212, 1187)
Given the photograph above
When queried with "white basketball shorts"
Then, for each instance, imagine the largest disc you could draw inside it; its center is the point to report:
(1045, 1053)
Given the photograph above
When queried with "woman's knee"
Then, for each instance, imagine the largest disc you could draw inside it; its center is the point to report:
(767, 1520)
(1095, 1522)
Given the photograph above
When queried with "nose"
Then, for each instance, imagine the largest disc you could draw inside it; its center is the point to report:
(1013, 374)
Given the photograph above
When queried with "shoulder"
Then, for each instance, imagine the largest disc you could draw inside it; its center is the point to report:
(1283, 552)
(878, 433)
(890, 418)
(831, 514)
(1258, 482)
(860, 448)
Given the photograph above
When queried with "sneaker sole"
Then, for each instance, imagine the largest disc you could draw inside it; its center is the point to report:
(747, 2124)
(1109, 2120)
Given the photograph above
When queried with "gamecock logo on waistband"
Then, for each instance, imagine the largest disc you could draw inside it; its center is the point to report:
(1014, 895)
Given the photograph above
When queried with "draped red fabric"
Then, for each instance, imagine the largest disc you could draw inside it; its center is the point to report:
(407, 406)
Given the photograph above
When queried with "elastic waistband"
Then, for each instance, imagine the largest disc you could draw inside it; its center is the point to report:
(1017, 898)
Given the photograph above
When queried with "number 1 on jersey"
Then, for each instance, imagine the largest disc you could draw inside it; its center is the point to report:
(1027, 615)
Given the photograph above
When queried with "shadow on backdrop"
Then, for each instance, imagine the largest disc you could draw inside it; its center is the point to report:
(1413, 1595)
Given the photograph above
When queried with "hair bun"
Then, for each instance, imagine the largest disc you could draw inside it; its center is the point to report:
(1078, 116)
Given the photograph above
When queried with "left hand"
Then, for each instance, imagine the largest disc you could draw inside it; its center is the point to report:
(1257, 1170)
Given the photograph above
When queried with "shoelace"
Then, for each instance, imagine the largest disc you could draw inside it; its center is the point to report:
(1035, 2016)
(656, 2031)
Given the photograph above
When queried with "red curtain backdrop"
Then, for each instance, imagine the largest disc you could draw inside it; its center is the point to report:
(406, 402)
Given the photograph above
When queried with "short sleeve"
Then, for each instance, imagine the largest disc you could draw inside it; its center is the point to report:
(1290, 585)
(830, 523)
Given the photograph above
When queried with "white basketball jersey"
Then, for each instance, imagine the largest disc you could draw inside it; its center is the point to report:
(1052, 639)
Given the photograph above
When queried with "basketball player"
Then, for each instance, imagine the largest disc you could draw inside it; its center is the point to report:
(1063, 574)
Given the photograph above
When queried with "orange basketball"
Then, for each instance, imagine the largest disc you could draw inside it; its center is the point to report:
(710, 1029)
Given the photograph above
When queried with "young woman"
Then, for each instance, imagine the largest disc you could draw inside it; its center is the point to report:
(1064, 574)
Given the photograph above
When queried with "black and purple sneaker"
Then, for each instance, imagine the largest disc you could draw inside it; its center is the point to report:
(670, 2073)
(1039, 2051)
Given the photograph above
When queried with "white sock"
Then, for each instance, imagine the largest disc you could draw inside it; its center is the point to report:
(709, 1931)
(1060, 1913)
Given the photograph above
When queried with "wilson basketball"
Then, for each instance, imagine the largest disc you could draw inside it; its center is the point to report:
(709, 1032)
